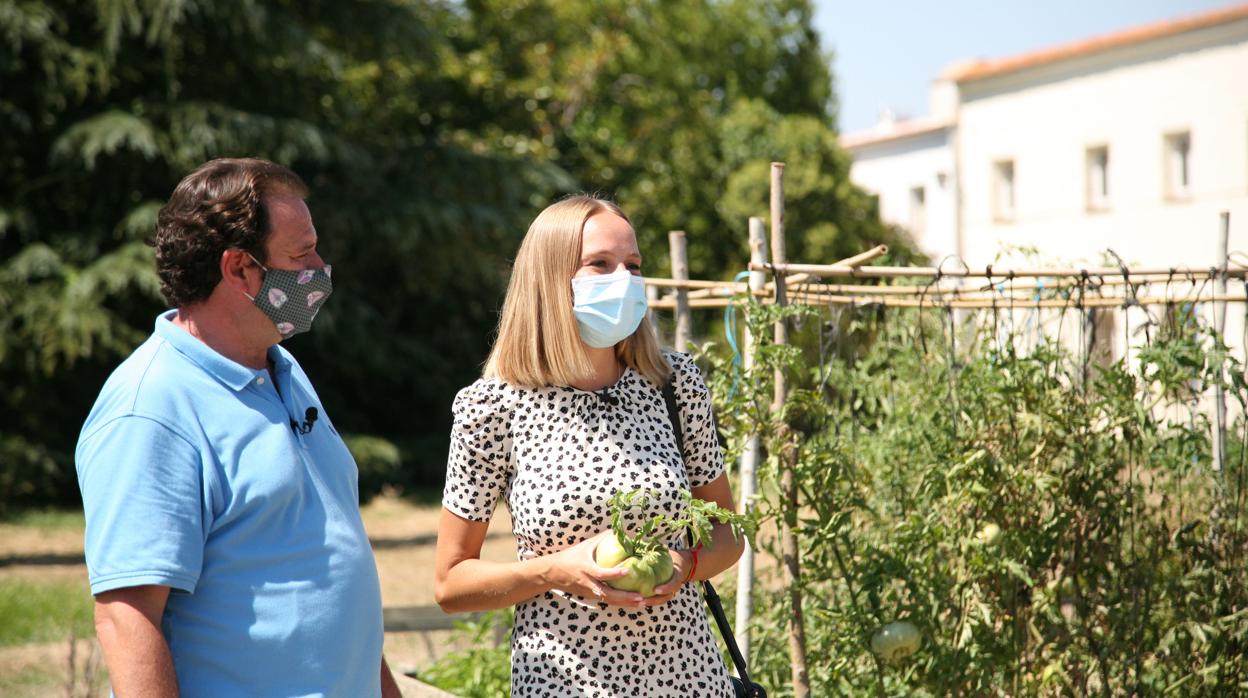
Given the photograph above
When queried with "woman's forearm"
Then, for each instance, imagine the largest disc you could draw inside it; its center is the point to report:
(485, 585)
(718, 555)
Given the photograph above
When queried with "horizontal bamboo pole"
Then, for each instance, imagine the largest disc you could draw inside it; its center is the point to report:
(727, 291)
(691, 283)
(825, 270)
(1019, 304)
(999, 287)
(855, 261)
(1001, 291)
(724, 289)
(670, 304)
(882, 290)
(1004, 285)
(1097, 281)
(1089, 302)
(967, 293)
(863, 257)
(939, 294)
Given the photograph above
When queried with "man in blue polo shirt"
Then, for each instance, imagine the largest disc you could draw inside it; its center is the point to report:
(224, 542)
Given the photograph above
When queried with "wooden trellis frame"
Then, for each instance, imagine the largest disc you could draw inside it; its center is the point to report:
(1000, 289)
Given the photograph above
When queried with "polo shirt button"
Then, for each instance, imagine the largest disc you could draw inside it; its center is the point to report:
(259, 381)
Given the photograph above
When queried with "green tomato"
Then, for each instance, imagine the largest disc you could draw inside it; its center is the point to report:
(896, 641)
(989, 534)
(646, 570)
(609, 552)
(1066, 587)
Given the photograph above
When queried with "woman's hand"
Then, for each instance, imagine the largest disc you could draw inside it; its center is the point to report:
(574, 571)
(682, 561)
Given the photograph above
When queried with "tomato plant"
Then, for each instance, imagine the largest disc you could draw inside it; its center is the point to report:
(1047, 524)
(645, 553)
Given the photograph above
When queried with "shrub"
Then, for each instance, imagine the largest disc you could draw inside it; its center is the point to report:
(1050, 527)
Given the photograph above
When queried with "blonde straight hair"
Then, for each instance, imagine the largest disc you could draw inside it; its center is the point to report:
(538, 343)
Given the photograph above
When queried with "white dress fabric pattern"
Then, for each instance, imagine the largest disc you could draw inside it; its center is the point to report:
(556, 455)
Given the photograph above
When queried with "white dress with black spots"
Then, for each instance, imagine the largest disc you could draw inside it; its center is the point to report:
(556, 455)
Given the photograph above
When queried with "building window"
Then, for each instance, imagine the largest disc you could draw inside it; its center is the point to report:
(1178, 165)
(1003, 190)
(1097, 174)
(918, 210)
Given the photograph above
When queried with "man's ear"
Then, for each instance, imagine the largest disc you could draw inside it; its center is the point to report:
(234, 270)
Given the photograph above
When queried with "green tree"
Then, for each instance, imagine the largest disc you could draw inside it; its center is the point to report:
(430, 133)
(826, 216)
(107, 105)
(664, 104)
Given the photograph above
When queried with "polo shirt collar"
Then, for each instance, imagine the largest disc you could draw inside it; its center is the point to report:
(227, 371)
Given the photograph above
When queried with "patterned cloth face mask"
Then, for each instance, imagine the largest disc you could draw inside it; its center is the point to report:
(608, 307)
(292, 298)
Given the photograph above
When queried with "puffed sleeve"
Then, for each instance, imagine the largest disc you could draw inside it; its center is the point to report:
(479, 466)
(704, 460)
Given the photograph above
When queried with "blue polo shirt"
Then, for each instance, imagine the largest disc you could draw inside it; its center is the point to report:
(192, 477)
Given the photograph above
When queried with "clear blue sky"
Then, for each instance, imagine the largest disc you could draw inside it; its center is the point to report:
(886, 53)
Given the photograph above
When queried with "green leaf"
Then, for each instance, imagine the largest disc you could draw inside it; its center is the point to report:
(106, 134)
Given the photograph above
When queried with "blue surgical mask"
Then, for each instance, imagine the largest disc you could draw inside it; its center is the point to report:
(608, 307)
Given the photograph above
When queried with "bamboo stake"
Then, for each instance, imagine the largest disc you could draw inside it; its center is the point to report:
(680, 272)
(788, 455)
(692, 283)
(669, 303)
(1219, 397)
(1004, 288)
(934, 301)
(989, 299)
(749, 460)
(855, 261)
(1133, 279)
(1004, 299)
(825, 270)
(652, 296)
(863, 257)
(725, 289)
(1091, 302)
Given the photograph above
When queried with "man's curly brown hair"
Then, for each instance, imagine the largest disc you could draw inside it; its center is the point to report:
(217, 207)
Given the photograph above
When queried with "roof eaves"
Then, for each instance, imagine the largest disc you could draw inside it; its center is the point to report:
(980, 69)
(899, 131)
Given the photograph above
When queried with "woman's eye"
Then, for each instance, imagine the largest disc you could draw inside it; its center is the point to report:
(634, 267)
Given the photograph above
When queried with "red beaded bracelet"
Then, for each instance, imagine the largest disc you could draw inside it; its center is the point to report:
(693, 552)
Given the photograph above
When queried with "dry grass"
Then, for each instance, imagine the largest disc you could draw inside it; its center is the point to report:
(46, 548)
(403, 538)
(38, 670)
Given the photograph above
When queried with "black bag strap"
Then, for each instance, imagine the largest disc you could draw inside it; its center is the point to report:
(708, 591)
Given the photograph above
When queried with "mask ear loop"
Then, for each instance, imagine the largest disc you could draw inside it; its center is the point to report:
(266, 269)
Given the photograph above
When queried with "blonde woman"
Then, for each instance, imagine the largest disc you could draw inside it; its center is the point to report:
(569, 412)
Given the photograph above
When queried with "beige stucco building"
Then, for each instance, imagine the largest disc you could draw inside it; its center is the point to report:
(1133, 141)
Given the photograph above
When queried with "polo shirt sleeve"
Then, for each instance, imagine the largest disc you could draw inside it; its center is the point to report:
(704, 459)
(478, 467)
(142, 492)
